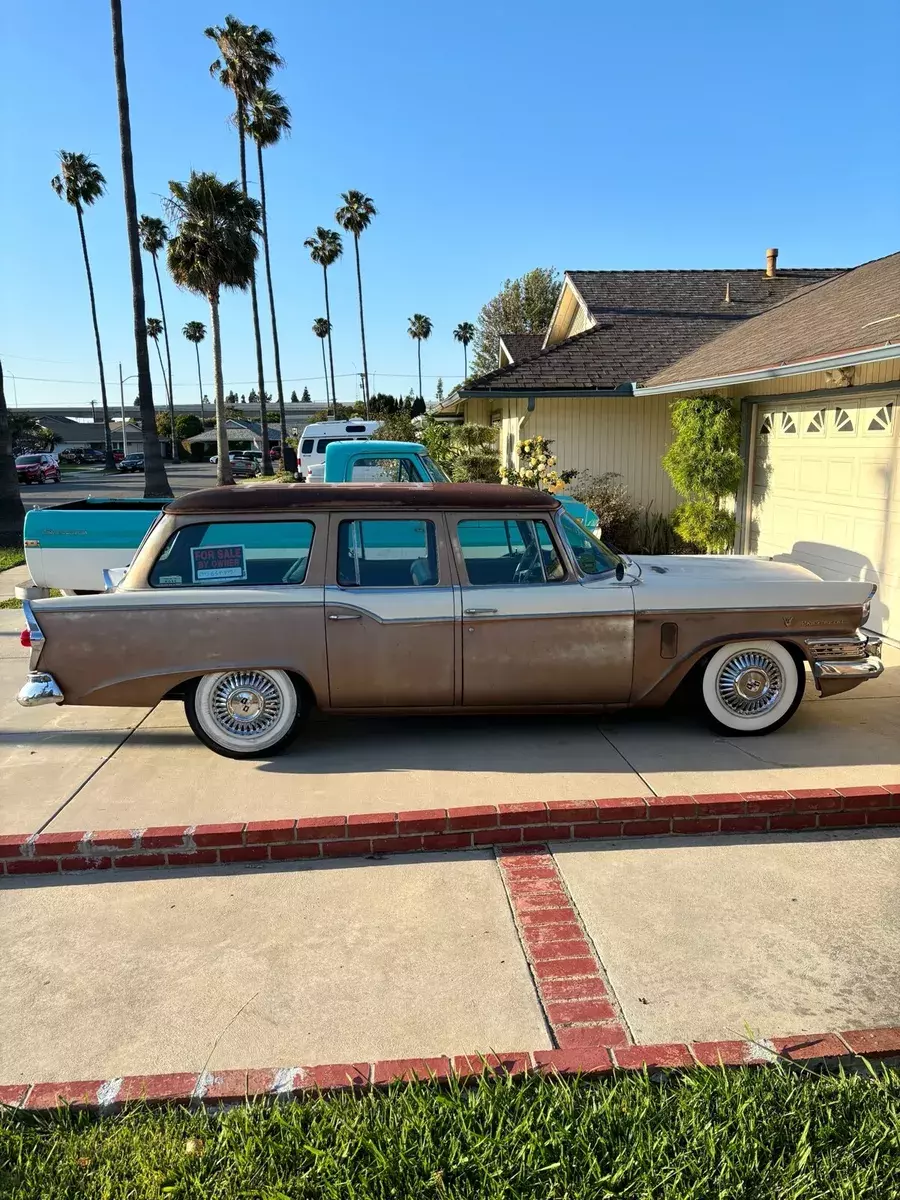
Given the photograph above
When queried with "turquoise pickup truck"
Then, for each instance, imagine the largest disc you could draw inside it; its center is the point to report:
(69, 546)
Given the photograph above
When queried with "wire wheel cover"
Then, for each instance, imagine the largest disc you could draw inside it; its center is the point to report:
(246, 703)
(750, 684)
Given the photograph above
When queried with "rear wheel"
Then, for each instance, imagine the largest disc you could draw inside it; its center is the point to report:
(245, 713)
(751, 688)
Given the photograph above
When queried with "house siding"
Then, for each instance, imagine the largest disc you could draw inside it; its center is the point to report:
(596, 434)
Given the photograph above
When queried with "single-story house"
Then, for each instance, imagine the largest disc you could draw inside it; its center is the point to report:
(241, 434)
(610, 331)
(89, 435)
(818, 381)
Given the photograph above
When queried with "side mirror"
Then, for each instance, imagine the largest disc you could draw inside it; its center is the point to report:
(112, 577)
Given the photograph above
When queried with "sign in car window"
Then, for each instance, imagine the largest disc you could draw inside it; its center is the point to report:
(218, 564)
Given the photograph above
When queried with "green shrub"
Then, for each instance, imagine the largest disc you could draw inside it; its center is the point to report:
(704, 464)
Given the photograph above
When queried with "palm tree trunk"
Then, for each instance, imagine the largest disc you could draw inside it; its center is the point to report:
(465, 361)
(362, 325)
(254, 306)
(156, 481)
(324, 372)
(12, 511)
(169, 393)
(199, 381)
(110, 464)
(288, 457)
(419, 354)
(330, 352)
(162, 371)
(223, 466)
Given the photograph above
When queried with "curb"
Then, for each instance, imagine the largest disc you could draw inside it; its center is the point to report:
(466, 828)
(848, 1049)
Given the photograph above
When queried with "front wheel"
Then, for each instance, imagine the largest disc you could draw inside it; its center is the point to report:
(247, 713)
(751, 688)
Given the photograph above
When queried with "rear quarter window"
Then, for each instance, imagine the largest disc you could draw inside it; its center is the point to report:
(235, 554)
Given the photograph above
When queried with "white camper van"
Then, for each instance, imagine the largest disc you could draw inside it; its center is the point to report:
(315, 439)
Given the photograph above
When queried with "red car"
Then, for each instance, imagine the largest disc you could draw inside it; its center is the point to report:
(37, 468)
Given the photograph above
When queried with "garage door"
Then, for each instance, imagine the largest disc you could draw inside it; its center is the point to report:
(826, 492)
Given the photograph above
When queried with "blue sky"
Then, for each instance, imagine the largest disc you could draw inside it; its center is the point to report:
(493, 138)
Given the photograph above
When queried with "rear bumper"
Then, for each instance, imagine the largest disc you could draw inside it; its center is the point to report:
(39, 688)
(839, 675)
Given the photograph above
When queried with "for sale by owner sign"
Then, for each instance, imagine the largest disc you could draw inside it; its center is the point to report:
(218, 564)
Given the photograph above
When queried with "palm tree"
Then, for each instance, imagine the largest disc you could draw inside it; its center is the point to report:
(268, 118)
(214, 247)
(154, 329)
(325, 249)
(464, 332)
(354, 217)
(154, 235)
(156, 482)
(80, 183)
(12, 511)
(420, 330)
(195, 331)
(247, 58)
(321, 329)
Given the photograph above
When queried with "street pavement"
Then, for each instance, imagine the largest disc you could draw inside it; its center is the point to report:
(93, 481)
(95, 768)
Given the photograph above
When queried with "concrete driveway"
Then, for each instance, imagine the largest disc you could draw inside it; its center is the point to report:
(92, 768)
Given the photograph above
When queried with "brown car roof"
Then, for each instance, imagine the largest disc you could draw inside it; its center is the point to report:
(288, 496)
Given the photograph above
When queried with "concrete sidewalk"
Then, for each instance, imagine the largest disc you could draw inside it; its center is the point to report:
(12, 578)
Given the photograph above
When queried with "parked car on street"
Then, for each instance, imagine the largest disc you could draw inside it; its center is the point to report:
(131, 463)
(244, 467)
(37, 468)
(433, 598)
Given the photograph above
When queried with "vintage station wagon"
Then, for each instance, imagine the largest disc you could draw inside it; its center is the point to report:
(253, 604)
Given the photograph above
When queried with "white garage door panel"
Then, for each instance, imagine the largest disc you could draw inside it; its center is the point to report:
(826, 492)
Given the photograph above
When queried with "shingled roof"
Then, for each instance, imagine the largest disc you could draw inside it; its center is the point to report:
(645, 321)
(520, 346)
(858, 310)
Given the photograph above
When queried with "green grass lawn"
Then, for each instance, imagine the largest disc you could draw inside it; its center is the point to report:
(708, 1135)
(11, 557)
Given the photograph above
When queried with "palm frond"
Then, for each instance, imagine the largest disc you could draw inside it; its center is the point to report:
(153, 232)
(80, 181)
(321, 328)
(325, 247)
(154, 327)
(194, 331)
(214, 245)
(268, 117)
(356, 213)
(420, 327)
(464, 332)
(247, 56)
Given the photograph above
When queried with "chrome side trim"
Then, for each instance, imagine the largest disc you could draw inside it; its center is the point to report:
(861, 668)
(39, 688)
(852, 646)
(35, 632)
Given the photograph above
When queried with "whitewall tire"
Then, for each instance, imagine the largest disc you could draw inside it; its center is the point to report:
(245, 713)
(751, 687)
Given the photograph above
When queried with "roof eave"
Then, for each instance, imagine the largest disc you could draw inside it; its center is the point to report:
(827, 362)
(622, 389)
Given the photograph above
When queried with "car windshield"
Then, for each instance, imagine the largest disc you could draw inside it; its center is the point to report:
(589, 552)
(27, 459)
(435, 473)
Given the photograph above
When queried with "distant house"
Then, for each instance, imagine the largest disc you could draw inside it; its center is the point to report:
(242, 435)
(610, 332)
(85, 435)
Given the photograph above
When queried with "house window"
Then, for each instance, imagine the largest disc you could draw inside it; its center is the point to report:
(496, 417)
(843, 422)
(816, 422)
(881, 422)
(788, 424)
(765, 430)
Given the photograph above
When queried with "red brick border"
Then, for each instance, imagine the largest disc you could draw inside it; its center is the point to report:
(578, 1002)
(471, 827)
(232, 1086)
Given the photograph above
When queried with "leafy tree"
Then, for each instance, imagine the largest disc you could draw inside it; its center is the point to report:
(437, 437)
(325, 248)
(521, 306)
(252, 398)
(355, 216)
(704, 464)
(80, 183)
(269, 119)
(306, 398)
(295, 399)
(12, 511)
(195, 332)
(154, 235)
(382, 405)
(464, 332)
(232, 399)
(419, 330)
(396, 426)
(418, 407)
(156, 481)
(439, 391)
(247, 59)
(474, 454)
(213, 248)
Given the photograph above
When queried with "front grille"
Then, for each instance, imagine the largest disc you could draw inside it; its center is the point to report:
(836, 647)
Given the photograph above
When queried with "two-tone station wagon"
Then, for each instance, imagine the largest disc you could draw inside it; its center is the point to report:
(253, 604)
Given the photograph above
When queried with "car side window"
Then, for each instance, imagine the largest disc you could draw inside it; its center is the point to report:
(307, 446)
(235, 554)
(386, 553)
(509, 552)
(383, 470)
(589, 552)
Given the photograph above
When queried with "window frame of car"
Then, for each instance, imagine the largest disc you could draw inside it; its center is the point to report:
(446, 577)
(617, 561)
(161, 532)
(543, 518)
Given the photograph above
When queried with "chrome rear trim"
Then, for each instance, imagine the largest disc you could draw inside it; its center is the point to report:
(861, 668)
(35, 633)
(39, 688)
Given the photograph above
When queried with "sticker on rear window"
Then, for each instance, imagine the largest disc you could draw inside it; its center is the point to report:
(169, 579)
(218, 564)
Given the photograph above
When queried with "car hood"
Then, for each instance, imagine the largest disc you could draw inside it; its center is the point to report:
(740, 581)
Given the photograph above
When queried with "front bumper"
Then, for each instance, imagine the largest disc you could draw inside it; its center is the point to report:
(834, 676)
(39, 688)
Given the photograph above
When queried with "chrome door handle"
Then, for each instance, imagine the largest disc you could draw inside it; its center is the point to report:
(345, 616)
(478, 612)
